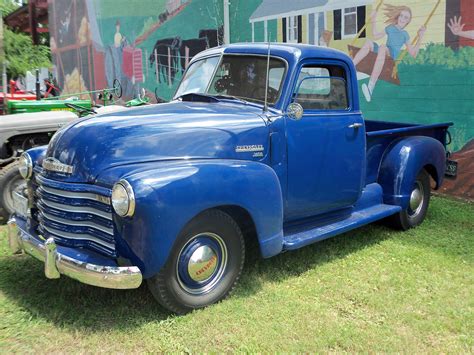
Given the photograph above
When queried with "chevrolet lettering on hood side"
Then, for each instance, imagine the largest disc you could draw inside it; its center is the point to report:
(260, 143)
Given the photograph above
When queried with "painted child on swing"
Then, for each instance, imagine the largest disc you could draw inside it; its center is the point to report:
(398, 17)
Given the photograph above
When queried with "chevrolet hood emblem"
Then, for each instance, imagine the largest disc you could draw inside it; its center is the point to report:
(53, 164)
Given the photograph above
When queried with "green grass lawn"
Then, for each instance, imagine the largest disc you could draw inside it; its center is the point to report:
(373, 289)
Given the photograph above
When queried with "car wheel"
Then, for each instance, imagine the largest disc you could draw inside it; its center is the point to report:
(204, 264)
(418, 205)
(10, 181)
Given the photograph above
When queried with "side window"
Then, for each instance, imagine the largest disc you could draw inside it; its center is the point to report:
(322, 88)
(275, 78)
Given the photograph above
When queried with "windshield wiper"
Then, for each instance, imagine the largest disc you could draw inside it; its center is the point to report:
(229, 97)
(197, 96)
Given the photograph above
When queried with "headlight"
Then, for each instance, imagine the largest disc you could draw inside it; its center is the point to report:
(26, 166)
(123, 199)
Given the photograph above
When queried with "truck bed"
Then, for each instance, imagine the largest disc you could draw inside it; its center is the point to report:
(380, 134)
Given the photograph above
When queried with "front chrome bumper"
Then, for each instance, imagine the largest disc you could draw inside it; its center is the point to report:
(56, 263)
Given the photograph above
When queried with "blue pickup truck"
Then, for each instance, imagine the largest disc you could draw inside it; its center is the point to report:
(261, 146)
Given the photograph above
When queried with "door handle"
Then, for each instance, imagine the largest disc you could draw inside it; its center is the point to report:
(355, 125)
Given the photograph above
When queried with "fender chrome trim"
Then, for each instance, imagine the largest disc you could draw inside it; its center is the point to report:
(55, 263)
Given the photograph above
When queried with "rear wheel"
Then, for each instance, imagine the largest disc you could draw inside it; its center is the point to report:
(417, 207)
(10, 181)
(203, 266)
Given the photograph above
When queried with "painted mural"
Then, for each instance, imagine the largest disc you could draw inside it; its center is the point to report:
(415, 58)
(145, 44)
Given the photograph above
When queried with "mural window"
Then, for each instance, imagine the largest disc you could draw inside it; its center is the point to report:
(292, 29)
(322, 88)
(348, 22)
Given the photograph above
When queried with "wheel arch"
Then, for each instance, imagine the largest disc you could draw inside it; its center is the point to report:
(245, 221)
(402, 163)
(433, 172)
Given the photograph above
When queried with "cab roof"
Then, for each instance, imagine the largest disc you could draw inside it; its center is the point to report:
(290, 52)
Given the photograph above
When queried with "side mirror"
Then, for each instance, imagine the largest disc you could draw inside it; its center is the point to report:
(295, 111)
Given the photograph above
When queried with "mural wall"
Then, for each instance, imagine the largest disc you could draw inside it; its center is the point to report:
(415, 58)
(145, 44)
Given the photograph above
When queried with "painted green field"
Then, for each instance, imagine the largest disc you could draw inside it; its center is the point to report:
(369, 290)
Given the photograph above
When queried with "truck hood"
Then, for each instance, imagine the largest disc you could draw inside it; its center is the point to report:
(176, 130)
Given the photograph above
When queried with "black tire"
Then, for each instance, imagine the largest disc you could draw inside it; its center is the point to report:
(9, 179)
(172, 289)
(416, 212)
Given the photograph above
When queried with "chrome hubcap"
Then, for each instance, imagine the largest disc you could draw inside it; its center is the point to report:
(416, 200)
(201, 263)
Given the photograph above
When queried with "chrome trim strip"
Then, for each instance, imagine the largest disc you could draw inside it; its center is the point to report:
(78, 236)
(71, 222)
(80, 195)
(70, 186)
(76, 209)
(115, 277)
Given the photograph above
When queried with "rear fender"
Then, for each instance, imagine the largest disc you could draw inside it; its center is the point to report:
(403, 161)
(170, 196)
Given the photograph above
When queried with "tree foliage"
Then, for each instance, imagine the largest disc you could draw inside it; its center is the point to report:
(20, 52)
(7, 6)
(22, 55)
(440, 55)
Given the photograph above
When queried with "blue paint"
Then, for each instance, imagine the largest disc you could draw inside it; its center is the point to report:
(402, 163)
(368, 209)
(316, 177)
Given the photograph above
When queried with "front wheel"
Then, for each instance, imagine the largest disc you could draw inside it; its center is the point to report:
(418, 205)
(204, 264)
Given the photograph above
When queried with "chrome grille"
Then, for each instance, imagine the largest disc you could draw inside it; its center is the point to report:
(76, 215)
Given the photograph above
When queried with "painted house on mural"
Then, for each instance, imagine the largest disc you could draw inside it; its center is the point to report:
(311, 21)
(338, 22)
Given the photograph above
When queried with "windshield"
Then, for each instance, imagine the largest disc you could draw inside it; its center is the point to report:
(243, 77)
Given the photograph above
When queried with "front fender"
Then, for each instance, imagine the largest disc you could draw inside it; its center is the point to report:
(170, 195)
(403, 161)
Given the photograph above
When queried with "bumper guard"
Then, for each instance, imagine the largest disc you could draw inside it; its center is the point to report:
(55, 263)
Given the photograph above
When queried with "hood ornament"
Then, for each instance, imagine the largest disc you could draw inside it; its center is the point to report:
(53, 164)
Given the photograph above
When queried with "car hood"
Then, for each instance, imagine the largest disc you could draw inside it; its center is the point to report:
(176, 130)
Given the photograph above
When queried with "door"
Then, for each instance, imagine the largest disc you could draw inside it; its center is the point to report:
(326, 147)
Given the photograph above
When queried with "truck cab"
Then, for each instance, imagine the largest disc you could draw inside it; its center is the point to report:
(262, 145)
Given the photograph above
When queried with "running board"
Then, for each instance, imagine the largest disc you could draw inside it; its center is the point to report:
(307, 235)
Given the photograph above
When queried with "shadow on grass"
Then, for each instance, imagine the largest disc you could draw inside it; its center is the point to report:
(297, 262)
(71, 304)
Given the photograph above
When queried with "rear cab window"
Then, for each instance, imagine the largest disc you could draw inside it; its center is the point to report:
(322, 87)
